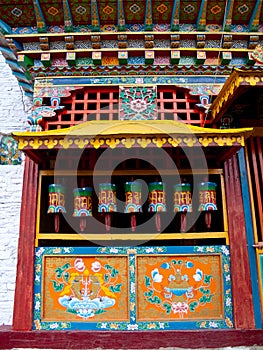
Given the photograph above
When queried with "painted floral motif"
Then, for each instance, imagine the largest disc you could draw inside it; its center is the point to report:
(180, 288)
(138, 103)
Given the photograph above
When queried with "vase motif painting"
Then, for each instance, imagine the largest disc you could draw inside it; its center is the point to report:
(85, 288)
(181, 287)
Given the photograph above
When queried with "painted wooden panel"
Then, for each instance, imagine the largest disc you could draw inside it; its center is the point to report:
(140, 288)
(179, 287)
(85, 288)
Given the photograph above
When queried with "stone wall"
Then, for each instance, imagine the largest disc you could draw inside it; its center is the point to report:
(14, 108)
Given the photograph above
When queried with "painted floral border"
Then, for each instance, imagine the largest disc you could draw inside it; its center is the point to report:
(131, 252)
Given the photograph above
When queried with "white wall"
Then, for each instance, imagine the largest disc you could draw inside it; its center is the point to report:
(14, 109)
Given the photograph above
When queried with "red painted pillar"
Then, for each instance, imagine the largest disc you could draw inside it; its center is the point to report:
(240, 272)
(23, 305)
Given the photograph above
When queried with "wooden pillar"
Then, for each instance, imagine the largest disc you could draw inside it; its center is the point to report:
(250, 237)
(240, 271)
(23, 305)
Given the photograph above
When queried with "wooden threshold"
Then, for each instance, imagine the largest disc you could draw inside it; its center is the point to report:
(193, 339)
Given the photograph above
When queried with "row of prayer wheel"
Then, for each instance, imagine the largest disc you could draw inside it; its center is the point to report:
(133, 204)
(133, 194)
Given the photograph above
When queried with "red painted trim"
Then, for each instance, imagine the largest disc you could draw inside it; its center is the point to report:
(23, 305)
(240, 272)
(128, 340)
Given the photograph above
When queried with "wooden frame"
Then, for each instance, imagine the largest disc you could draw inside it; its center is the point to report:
(138, 236)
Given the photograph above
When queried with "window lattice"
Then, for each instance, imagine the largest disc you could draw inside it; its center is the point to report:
(102, 103)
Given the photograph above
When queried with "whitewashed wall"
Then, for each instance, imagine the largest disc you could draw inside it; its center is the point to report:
(14, 109)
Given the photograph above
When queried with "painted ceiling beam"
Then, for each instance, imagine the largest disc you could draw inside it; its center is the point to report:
(228, 15)
(201, 19)
(41, 23)
(5, 28)
(95, 19)
(148, 21)
(254, 20)
(121, 16)
(68, 20)
(175, 15)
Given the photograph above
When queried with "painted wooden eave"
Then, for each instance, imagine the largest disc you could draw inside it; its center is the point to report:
(237, 81)
(160, 133)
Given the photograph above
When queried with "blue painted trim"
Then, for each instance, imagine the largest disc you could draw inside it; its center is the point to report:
(7, 53)
(67, 12)
(5, 27)
(143, 80)
(14, 66)
(121, 15)
(200, 13)
(147, 14)
(250, 238)
(176, 7)
(229, 4)
(29, 94)
(96, 13)
(27, 88)
(254, 14)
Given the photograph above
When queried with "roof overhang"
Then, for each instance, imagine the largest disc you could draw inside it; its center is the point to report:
(238, 81)
(129, 134)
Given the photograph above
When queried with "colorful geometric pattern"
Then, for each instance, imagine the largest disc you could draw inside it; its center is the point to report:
(134, 11)
(242, 12)
(138, 288)
(15, 14)
(80, 12)
(215, 12)
(53, 13)
(138, 103)
(108, 11)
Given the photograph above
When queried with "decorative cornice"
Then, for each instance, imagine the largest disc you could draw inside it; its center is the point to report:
(98, 134)
(131, 70)
(238, 78)
(26, 143)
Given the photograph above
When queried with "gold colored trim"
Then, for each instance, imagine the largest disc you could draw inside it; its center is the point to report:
(132, 237)
(216, 171)
(129, 133)
(112, 143)
(235, 80)
(129, 142)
